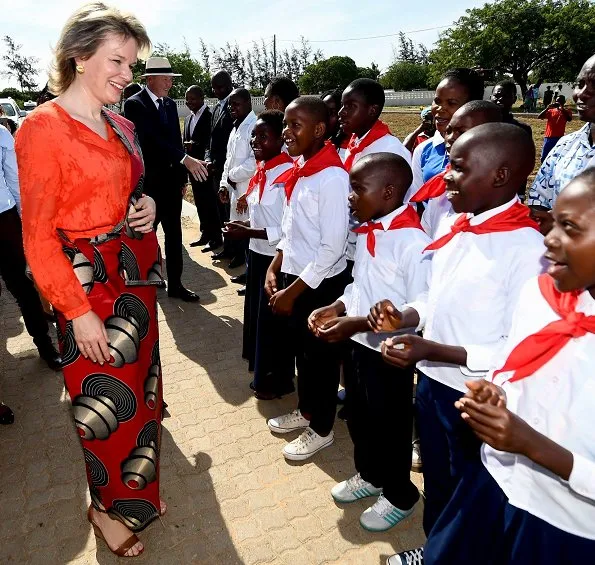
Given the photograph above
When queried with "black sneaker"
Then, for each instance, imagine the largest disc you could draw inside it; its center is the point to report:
(410, 557)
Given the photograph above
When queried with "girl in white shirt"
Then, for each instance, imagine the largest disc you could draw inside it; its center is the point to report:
(532, 498)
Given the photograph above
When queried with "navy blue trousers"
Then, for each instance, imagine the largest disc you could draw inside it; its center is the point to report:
(479, 525)
(447, 444)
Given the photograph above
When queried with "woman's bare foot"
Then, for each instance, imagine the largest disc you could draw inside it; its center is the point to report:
(115, 533)
(162, 507)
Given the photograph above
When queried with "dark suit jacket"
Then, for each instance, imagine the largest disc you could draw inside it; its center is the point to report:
(161, 144)
(201, 136)
(221, 126)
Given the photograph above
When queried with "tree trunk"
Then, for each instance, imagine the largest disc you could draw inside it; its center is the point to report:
(521, 80)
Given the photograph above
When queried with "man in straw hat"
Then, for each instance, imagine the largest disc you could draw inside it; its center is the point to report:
(166, 164)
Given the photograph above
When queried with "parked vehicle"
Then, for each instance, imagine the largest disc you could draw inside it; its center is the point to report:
(12, 111)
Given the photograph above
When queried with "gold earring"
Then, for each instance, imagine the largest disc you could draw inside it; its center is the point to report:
(80, 69)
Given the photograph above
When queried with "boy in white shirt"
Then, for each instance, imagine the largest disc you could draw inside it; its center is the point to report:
(311, 263)
(239, 166)
(532, 497)
(388, 262)
(264, 332)
(487, 253)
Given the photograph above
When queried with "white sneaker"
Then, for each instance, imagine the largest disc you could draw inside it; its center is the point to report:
(353, 489)
(307, 444)
(416, 457)
(382, 516)
(411, 557)
(288, 423)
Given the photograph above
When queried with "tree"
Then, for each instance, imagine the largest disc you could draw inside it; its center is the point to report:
(372, 71)
(191, 70)
(404, 75)
(20, 67)
(548, 38)
(334, 72)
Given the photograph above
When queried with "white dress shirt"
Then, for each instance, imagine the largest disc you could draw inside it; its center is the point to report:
(153, 97)
(267, 213)
(315, 224)
(418, 179)
(240, 164)
(386, 144)
(558, 401)
(474, 287)
(10, 195)
(398, 272)
(194, 119)
(436, 209)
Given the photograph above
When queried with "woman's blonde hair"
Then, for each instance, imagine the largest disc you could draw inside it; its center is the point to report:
(82, 35)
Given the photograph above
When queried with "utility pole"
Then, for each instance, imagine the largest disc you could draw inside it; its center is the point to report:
(274, 55)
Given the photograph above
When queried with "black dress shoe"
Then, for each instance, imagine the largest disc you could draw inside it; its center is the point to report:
(183, 294)
(49, 354)
(221, 255)
(202, 241)
(237, 261)
(241, 291)
(6, 415)
(212, 245)
(240, 279)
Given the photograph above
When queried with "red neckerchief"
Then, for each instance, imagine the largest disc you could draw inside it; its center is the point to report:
(260, 177)
(325, 158)
(408, 218)
(513, 218)
(432, 188)
(537, 349)
(378, 130)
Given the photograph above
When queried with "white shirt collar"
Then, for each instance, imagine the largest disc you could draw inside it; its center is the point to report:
(153, 96)
(481, 218)
(437, 139)
(199, 112)
(386, 220)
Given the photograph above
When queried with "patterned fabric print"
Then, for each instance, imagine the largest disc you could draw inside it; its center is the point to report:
(117, 407)
(567, 159)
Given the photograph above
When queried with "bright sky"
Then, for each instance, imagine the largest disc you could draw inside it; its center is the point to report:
(36, 24)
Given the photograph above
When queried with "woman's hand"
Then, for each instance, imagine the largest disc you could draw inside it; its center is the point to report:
(143, 217)
(91, 337)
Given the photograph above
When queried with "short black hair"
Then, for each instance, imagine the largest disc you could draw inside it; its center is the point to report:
(242, 94)
(469, 78)
(131, 89)
(335, 94)
(197, 90)
(315, 106)
(273, 119)
(284, 88)
(222, 77)
(507, 85)
(561, 96)
(390, 167)
(371, 90)
(491, 112)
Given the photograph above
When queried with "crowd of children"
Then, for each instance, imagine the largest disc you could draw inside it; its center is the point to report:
(345, 277)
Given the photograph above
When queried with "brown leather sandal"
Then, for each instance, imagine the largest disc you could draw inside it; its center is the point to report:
(120, 551)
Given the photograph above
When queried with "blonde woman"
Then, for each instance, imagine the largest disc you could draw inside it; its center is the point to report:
(93, 253)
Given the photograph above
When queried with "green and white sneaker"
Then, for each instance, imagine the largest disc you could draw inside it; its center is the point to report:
(382, 516)
(353, 489)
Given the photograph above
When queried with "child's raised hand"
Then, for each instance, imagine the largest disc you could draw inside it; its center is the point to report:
(270, 283)
(497, 426)
(384, 317)
(242, 204)
(337, 329)
(405, 350)
(319, 317)
(483, 391)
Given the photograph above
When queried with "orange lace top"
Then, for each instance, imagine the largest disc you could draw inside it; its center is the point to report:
(71, 179)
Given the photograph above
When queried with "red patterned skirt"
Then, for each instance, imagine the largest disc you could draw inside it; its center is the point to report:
(117, 407)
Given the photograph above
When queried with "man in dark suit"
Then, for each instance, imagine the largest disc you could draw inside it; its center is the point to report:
(155, 116)
(221, 126)
(197, 138)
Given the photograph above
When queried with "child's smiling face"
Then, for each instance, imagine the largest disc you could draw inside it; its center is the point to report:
(449, 97)
(571, 241)
(264, 142)
(301, 130)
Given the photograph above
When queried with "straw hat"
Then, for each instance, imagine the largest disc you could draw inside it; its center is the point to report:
(158, 66)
